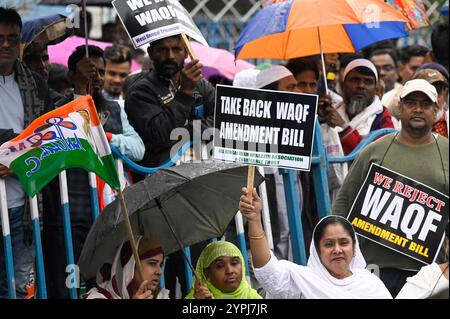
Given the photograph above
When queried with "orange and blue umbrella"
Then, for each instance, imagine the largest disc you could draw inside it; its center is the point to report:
(298, 28)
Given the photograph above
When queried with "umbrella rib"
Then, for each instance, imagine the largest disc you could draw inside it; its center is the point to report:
(166, 217)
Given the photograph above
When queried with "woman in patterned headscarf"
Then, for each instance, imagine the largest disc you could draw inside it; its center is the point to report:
(118, 280)
(221, 270)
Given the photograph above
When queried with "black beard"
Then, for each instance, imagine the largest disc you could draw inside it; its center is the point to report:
(165, 72)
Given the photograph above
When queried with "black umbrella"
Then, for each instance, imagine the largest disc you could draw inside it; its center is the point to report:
(196, 201)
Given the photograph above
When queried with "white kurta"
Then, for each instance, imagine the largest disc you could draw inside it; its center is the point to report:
(429, 282)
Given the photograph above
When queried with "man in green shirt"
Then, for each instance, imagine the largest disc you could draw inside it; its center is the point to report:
(414, 152)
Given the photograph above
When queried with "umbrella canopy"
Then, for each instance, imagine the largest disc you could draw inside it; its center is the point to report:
(60, 52)
(299, 28)
(218, 61)
(48, 30)
(199, 199)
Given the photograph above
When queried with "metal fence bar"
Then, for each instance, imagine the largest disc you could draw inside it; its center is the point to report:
(40, 270)
(320, 174)
(187, 270)
(294, 216)
(65, 211)
(9, 260)
(240, 236)
(372, 136)
(94, 195)
(319, 167)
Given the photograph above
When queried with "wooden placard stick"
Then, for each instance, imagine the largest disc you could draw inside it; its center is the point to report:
(250, 180)
(188, 47)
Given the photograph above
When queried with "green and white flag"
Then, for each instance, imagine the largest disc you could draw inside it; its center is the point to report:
(68, 137)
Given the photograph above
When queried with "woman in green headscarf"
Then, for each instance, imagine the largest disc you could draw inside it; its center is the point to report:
(221, 272)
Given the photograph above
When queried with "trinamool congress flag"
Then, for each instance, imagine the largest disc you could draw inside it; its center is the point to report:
(70, 136)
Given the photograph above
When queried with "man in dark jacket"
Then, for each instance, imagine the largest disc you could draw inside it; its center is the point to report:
(23, 97)
(167, 98)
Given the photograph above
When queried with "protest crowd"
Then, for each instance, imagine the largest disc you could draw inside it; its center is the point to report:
(147, 95)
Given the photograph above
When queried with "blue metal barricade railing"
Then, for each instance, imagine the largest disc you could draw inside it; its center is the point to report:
(94, 198)
(294, 216)
(320, 162)
(320, 173)
(366, 141)
(319, 168)
(41, 291)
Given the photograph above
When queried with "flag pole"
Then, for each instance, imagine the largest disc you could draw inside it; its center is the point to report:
(85, 27)
(126, 218)
(86, 44)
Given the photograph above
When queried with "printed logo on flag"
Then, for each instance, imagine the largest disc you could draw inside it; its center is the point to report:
(70, 136)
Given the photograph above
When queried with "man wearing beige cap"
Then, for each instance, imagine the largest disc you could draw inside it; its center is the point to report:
(414, 152)
(440, 82)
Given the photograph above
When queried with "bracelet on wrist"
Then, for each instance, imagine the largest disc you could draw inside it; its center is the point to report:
(261, 236)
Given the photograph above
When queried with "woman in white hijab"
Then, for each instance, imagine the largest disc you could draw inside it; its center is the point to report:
(335, 269)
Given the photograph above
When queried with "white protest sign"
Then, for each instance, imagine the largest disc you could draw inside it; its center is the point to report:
(264, 128)
(150, 20)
